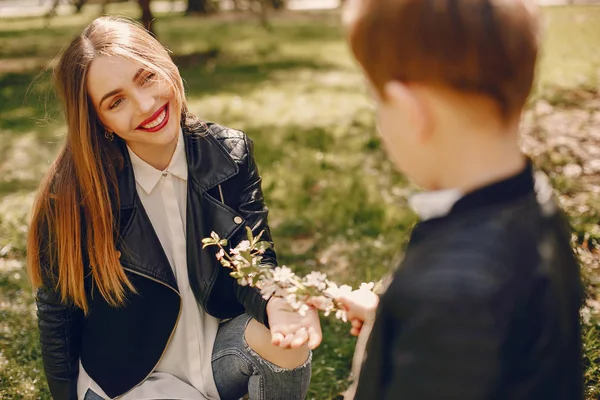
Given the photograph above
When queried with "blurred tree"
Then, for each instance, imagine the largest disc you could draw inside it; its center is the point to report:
(240, 5)
(278, 4)
(80, 3)
(200, 7)
(147, 17)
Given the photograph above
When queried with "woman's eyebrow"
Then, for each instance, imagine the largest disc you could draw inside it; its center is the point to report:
(116, 91)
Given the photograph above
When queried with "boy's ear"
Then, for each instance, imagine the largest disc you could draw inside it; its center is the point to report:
(412, 106)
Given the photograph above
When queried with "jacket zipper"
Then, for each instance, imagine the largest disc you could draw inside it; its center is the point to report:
(170, 336)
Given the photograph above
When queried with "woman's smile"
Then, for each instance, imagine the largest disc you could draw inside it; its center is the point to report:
(156, 121)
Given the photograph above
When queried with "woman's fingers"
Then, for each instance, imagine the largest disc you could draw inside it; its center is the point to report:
(280, 331)
(287, 341)
(277, 338)
(315, 336)
(300, 338)
(291, 329)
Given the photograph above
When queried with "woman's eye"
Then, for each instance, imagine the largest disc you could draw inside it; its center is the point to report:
(115, 104)
(149, 77)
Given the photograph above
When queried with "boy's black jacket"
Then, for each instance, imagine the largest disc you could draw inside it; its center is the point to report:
(485, 304)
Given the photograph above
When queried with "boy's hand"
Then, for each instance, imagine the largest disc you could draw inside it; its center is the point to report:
(360, 306)
(289, 329)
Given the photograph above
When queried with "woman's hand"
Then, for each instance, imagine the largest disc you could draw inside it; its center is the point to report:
(360, 306)
(289, 329)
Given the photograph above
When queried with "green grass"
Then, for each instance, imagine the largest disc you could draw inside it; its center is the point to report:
(571, 52)
(336, 204)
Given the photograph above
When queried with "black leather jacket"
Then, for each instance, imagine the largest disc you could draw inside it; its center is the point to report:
(120, 346)
(485, 305)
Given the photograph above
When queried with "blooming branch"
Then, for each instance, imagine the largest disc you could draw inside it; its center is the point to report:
(300, 293)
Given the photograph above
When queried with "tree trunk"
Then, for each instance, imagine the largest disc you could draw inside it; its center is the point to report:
(199, 7)
(79, 6)
(147, 17)
(278, 4)
(51, 13)
(264, 14)
(103, 7)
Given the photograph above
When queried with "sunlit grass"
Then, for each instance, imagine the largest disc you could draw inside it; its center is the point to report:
(336, 204)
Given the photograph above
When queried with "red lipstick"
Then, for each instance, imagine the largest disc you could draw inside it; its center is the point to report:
(156, 114)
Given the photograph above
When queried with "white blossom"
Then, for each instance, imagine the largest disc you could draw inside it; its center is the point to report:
(238, 258)
(282, 274)
(334, 291)
(341, 314)
(303, 309)
(315, 289)
(316, 279)
(244, 245)
(267, 288)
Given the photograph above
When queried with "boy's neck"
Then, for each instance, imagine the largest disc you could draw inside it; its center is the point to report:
(475, 156)
(470, 173)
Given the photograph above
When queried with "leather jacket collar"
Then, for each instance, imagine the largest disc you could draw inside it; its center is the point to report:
(209, 164)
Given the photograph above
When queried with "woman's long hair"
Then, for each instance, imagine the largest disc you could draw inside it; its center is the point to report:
(74, 217)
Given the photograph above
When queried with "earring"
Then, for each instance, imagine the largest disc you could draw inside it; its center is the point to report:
(109, 135)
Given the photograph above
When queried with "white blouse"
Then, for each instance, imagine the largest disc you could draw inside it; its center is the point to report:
(185, 370)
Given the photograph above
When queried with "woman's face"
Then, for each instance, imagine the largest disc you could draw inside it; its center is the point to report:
(131, 102)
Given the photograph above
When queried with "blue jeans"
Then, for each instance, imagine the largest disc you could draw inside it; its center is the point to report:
(238, 370)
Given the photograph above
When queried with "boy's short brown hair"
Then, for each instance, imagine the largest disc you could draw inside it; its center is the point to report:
(479, 46)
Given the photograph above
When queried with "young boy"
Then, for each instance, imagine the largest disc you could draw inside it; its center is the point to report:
(486, 303)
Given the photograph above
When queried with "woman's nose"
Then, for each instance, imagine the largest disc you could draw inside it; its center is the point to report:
(146, 102)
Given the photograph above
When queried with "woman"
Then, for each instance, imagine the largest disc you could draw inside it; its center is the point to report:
(129, 304)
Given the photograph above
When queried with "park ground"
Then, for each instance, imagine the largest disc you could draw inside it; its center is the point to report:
(336, 203)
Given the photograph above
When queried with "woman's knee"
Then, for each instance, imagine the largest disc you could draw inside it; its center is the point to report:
(258, 338)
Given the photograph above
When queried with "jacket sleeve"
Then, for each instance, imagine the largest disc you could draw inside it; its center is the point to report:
(60, 332)
(254, 211)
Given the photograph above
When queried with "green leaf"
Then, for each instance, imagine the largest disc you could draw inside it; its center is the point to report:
(257, 238)
(247, 270)
(249, 234)
(247, 256)
(263, 246)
